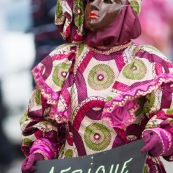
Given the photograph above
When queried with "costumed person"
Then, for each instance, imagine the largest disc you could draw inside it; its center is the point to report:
(100, 90)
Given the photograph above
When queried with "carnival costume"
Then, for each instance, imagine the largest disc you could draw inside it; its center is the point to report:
(100, 91)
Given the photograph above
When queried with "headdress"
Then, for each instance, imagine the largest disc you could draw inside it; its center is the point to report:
(69, 18)
(136, 5)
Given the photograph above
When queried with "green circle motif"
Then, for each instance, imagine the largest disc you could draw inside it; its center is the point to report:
(38, 97)
(149, 102)
(27, 141)
(69, 153)
(103, 71)
(135, 71)
(79, 13)
(57, 76)
(103, 139)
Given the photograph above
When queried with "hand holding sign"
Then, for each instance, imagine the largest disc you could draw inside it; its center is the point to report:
(119, 160)
(153, 144)
(157, 142)
(28, 163)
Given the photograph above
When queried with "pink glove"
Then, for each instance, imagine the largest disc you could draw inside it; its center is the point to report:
(152, 144)
(28, 163)
(158, 142)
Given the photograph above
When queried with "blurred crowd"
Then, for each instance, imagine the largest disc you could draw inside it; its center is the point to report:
(28, 34)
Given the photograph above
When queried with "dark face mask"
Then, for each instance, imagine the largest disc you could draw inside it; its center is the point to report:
(99, 13)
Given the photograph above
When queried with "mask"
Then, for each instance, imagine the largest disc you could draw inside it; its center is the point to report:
(99, 13)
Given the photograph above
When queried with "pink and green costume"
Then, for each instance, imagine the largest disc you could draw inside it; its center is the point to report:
(88, 100)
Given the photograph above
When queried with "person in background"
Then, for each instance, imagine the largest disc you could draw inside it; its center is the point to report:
(101, 90)
(46, 36)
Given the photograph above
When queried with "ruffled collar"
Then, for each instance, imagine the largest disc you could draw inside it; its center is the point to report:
(108, 50)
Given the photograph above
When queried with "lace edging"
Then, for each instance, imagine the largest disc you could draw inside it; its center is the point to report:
(137, 92)
(131, 95)
(51, 96)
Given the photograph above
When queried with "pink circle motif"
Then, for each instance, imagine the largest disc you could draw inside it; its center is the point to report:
(78, 11)
(97, 136)
(134, 68)
(63, 74)
(100, 77)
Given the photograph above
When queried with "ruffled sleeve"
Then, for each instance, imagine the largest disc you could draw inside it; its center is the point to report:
(146, 70)
(147, 74)
(52, 78)
(159, 109)
(43, 124)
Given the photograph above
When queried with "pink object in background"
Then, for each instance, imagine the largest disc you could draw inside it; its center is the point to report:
(156, 20)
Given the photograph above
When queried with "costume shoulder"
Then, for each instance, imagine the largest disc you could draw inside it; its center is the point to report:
(60, 59)
(152, 51)
(148, 60)
(146, 70)
(51, 73)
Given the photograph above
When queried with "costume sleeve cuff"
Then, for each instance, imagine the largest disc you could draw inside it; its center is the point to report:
(44, 147)
(165, 138)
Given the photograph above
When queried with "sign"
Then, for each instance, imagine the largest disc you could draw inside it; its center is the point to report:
(124, 159)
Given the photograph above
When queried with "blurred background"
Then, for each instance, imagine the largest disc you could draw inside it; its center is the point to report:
(27, 34)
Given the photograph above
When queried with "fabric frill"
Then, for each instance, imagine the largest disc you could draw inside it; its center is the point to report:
(53, 97)
(124, 104)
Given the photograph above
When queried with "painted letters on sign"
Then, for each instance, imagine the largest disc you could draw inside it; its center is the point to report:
(125, 159)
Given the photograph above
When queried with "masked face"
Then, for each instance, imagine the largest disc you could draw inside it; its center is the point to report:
(99, 13)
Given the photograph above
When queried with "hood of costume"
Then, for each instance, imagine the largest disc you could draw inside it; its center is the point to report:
(69, 19)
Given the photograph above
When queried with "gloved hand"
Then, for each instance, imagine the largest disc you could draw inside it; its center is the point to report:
(158, 142)
(153, 144)
(28, 163)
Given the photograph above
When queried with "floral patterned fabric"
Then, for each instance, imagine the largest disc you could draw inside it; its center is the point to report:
(87, 102)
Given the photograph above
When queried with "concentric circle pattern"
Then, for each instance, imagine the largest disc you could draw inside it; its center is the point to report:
(135, 70)
(101, 77)
(60, 73)
(97, 137)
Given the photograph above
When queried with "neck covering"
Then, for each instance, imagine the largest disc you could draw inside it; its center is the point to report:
(69, 18)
